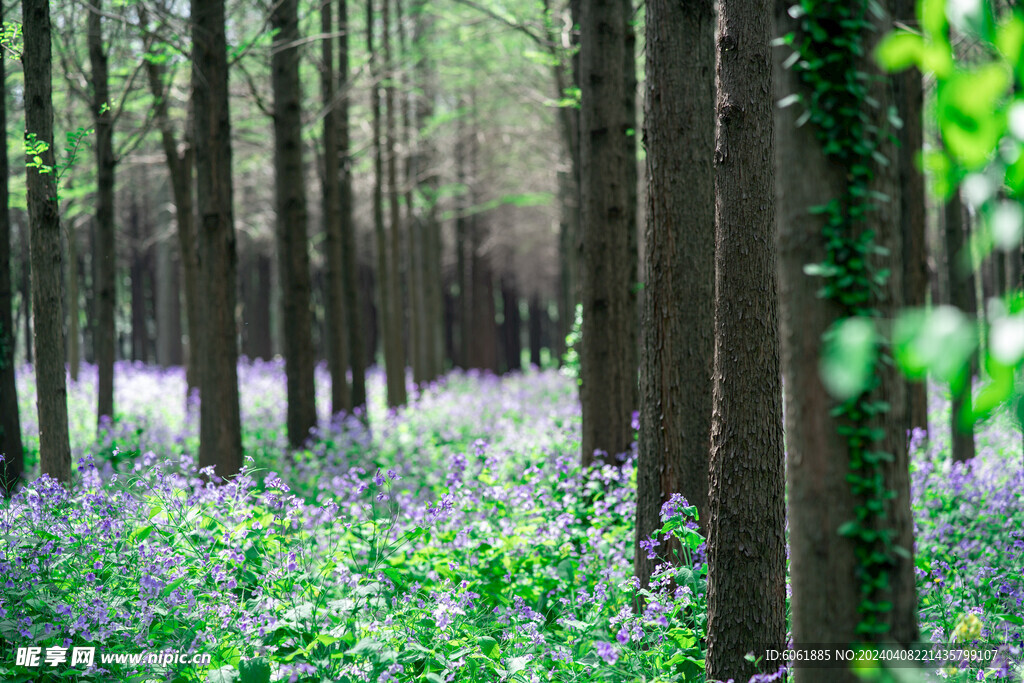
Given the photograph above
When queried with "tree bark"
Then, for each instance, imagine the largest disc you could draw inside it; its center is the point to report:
(220, 436)
(535, 322)
(337, 317)
(293, 253)
(74, 341)
(105, 256)
(168, 302)
(677, 327)
(394, 346)
(747, 519)
(608, 364)
(908, 94)
(823, 564)
(138, 272)
(961, 295)
(511, 326)
(355, 325)
(46, 252)
(13, 465)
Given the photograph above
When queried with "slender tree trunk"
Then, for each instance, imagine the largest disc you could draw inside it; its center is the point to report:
(677, 329)
(510, 337)
(46, 252)
(355, 326)
(337, 316)
(26, 290)
(13, 465)
(293, 253)
(74, 342)
(463, 262)
(908, 93)
(105, 256)
(961, 295)
(535, 322)
(394, 347)
(607, 150)
(138, 274)
(824, 566)
(168, 306)
(220, 436)
(747, 520)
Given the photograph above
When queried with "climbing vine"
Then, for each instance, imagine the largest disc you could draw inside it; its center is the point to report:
(828, 51)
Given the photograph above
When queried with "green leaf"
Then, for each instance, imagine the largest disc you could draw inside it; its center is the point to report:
(255, 670)
(848, 359)
(489, 646)
(900, 50)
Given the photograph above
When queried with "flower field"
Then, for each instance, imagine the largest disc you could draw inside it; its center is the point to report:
(454, 540)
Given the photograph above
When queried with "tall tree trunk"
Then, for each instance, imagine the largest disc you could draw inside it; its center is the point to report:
(824, 565)
(44, 222)
(220, 435)
(747, 520)
(138, 272)
(169, 352)
(105, 256)
(26, 290)
(293, 253)
(961, 295)
(535, 322)
(511, 326)
(463, 262)
(677, 329)
(74, 340)
(394, 347)
(908, 93)
(13, 465)
(337, 317)
(355, 325)
(180, 169)
(608, 364)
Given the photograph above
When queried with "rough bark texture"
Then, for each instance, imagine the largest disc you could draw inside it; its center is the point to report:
(677, 327)
(354, 324)
(337, 318)
(220, 435)
(747, 545)
(292, 250)
(823, 566)
(105, 255)
(908, 95)
(961, 295)
(13, 464)
(46, 252)
(607, 149)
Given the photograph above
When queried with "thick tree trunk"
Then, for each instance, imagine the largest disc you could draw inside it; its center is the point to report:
(824, 566)
(961, 295)
(105, 256)
(677, 328)
(46, 252)
(293, 253)
(747, 514)
(608, 364)
(908, 94)
(337, 317)
(169, 352)
(511, 326)
(220, 436)
(13, 465)
(355, 324)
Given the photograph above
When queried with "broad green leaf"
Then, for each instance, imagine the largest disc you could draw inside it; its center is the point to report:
(848, 359)
(900, 50)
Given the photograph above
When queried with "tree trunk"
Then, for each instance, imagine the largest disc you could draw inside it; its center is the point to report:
(337, 332)
(463, 262)
(105, 256)
(44, 222)
(13, 465)
(138, 272)
(169, 352)
(747, 518)
(220, 436)
(677, 328)
(510, 327)
(608, 364)
(535, 322)
(293, 254)
(355, 326)
(394, 346)
(908, 93)
(961, 295)
(74, 341)
(824, 566)
(26, 290)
